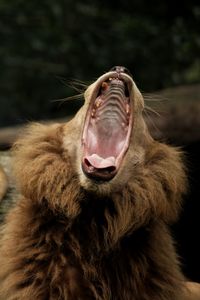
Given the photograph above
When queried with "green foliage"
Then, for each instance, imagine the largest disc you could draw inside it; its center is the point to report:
(44, 40)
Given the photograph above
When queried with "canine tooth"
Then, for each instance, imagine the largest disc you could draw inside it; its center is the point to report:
(104, 85)
(93, 113)
(127, 109)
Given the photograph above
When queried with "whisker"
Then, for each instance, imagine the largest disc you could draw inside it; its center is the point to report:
(79, 82)
(151, 97)
(75, 97)
(75, 84)
(150, 121)
(150, 109)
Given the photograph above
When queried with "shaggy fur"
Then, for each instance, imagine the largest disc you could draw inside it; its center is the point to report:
(70, 238)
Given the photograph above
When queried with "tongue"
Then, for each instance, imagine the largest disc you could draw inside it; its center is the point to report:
(99, 162)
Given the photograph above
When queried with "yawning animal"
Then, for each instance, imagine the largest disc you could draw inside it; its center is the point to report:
(97, 195)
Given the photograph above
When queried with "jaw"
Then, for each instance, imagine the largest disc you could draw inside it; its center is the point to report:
(107, 127)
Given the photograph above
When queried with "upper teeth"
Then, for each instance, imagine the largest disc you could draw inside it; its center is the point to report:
(113, 78)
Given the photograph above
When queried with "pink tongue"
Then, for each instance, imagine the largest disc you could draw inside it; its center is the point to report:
(100, 163)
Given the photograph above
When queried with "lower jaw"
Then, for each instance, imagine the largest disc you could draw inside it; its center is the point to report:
(99, 176)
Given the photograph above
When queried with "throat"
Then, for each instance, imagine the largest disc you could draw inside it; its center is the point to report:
(107, 131)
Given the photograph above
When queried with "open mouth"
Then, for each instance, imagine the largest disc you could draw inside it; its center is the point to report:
(107, 128)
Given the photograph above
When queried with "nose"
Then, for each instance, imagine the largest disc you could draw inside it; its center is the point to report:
(121, 69)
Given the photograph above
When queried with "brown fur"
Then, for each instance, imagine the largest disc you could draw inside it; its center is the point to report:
(3, 183)
(70, 238)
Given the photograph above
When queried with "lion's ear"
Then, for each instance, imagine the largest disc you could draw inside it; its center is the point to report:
(165, 167)
(43, 169)
(34, 151)
(3, 183)
(160, 183)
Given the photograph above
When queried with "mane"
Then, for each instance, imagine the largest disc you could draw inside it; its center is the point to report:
(53, 180)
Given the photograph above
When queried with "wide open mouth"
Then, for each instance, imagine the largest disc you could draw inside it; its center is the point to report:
(107, 128)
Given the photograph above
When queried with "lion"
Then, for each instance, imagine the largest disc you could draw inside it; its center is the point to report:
(98, 194)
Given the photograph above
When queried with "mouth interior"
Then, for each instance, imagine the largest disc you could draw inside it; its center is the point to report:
(107, 130)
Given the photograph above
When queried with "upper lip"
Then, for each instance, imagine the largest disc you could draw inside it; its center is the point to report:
(122, 76)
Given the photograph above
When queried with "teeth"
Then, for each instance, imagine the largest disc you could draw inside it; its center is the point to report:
(127, 109)
(98, 102)
(113, 78)
(91, 168)
(93, 113)
(104, 85)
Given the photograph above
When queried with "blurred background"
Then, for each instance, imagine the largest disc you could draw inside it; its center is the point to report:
(44, 45)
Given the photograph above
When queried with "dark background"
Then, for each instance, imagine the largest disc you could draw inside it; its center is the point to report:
(45, 44)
